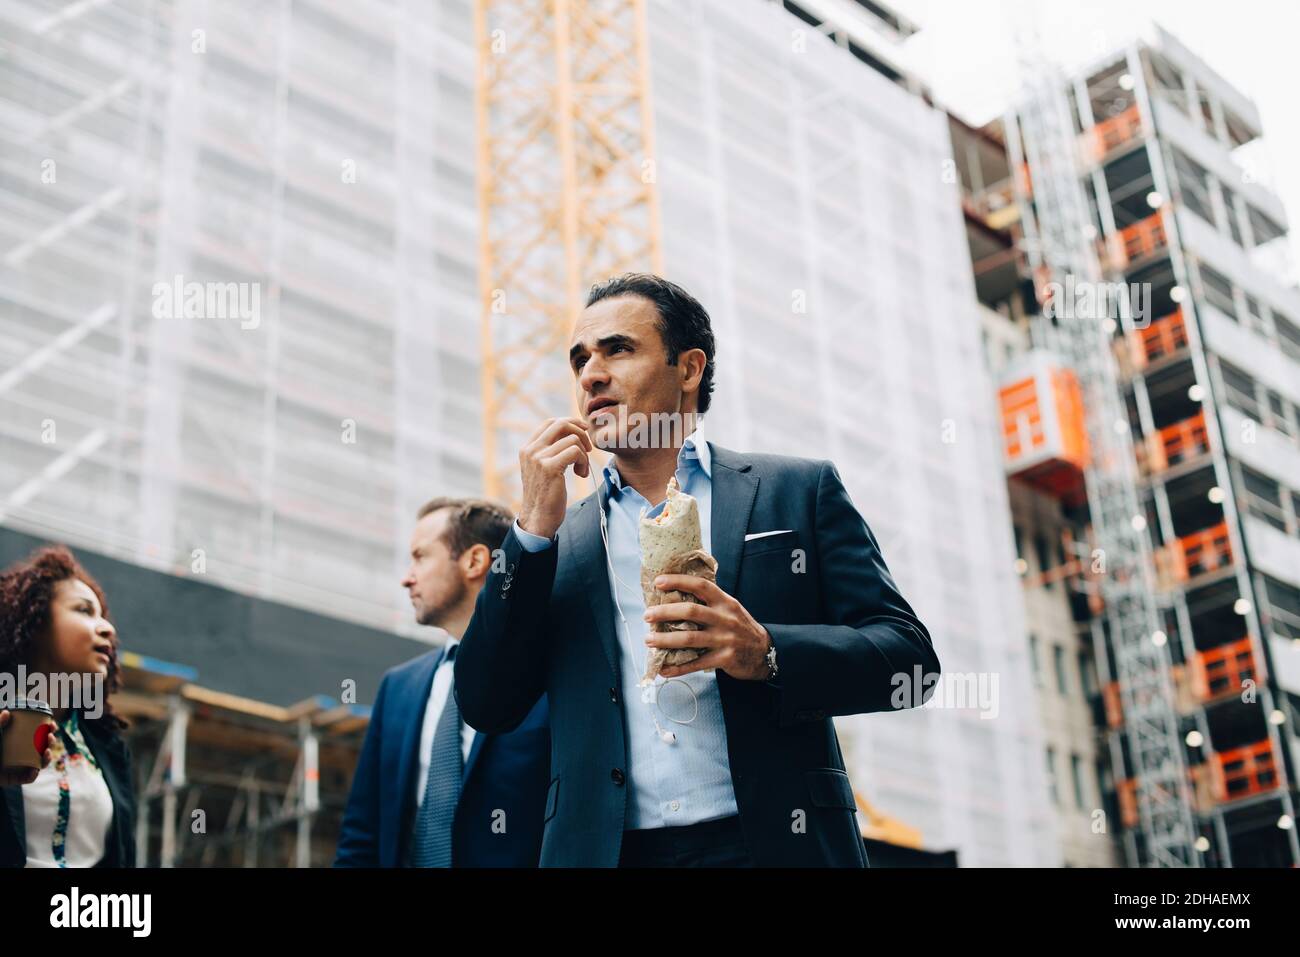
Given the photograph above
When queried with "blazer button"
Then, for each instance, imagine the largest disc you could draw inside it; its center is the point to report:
(616, 776)
(613, 695)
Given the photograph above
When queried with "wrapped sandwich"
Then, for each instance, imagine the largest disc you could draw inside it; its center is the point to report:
(671, 545)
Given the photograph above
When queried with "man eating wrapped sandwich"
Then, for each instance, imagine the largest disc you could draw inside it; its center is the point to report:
(697, 620)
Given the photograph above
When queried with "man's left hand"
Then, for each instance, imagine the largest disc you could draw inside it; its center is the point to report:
(737, 643)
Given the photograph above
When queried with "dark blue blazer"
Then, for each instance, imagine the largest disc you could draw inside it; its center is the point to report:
(844, 635)
(504, 783)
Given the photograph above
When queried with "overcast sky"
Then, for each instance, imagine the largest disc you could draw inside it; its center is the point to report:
(966, 51)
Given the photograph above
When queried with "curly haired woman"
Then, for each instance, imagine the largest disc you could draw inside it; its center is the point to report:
(79, 810)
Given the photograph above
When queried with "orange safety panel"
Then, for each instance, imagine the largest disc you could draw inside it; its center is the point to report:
(1022, 417)
(1142, 239)
(1069, 406)
(1128, 802)
(1222, 670)
(1020, 403)
(1184, 440)
(1114, 705)
(1044, 436)
(1246, 771)
(1206, 550)
(1115, 131)
(1163, 337)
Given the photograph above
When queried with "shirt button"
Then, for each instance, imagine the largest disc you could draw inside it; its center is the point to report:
(674, 805)
(616, 776)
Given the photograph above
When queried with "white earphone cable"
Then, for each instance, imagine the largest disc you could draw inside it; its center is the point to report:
(651, 695)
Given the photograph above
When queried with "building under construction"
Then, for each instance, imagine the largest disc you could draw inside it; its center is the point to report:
(421, 193)
(1153, 486)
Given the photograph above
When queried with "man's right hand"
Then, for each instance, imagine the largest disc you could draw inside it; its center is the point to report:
(557, 444)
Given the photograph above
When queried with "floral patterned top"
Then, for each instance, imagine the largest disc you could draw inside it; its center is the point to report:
(68, 809)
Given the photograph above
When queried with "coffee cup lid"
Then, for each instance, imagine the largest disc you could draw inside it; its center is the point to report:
(33, 704)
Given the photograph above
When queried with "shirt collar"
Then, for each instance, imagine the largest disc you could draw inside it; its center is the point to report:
(694, 453)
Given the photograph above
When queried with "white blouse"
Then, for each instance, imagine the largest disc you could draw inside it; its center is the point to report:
(76, 833)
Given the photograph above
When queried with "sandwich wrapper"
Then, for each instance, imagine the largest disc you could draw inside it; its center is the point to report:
(671, 545)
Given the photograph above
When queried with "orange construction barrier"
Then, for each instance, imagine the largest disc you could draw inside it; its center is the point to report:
(1026, 181)
(1114, 705)
(1194, 554)
(1173, 445)
(1113, 133)
(1164, 337)
(1128, 802)
(1242, 772)
(1222, 670)
(1142, 239)
(1206, 550)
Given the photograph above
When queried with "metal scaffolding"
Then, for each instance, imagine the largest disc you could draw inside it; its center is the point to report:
(228, 781)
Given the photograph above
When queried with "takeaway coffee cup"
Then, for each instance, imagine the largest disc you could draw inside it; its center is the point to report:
(22, 740)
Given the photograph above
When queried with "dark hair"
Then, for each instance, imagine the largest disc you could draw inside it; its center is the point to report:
(473, 521)
(26, 594)
(683, 322)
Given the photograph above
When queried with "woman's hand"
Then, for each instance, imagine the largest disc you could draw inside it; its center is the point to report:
(12, 776)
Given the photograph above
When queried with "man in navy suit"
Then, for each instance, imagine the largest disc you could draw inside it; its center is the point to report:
(430, 791)
(730, 759)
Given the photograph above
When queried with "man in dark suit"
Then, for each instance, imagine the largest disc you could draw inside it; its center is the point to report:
(428, 790)
(732, 760)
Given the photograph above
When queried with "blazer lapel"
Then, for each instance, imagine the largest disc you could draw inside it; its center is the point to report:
(475, 747)
(588, 549)
(413, 723)
(735, 487)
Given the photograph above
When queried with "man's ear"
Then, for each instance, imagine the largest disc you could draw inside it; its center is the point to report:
(690, 366)
(476, 562)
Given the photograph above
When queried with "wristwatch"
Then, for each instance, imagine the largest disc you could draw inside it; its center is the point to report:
(770, 657)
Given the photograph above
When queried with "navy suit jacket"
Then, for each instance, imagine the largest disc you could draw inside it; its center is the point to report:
(504, 782)
(544, 624)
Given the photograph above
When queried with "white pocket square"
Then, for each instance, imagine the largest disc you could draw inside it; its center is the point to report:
(753, 535)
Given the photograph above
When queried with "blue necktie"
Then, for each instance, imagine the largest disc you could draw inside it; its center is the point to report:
(431, 841)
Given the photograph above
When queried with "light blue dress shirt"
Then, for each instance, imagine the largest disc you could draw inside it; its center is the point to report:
(690, 780)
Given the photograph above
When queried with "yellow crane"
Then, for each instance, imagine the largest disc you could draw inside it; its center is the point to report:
(567, 196)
